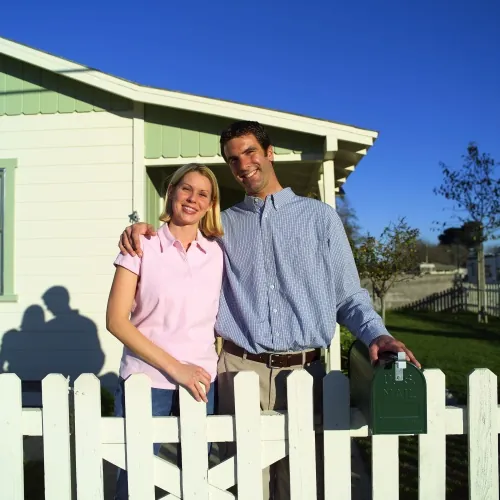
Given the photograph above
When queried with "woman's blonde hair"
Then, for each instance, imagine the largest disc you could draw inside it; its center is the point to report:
(210, 223)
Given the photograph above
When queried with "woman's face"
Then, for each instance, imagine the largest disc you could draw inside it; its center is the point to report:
(191, 199)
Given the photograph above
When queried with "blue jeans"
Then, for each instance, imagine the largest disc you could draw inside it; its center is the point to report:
(165, 403)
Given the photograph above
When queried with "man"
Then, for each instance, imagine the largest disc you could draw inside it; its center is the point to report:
(289, 277)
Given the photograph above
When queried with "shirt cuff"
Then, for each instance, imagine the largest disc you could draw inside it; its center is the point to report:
(372, 330)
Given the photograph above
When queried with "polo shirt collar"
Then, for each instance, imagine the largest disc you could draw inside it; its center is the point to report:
(170, 239)
(278, 199)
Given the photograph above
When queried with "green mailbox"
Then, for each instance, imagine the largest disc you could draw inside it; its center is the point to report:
(392, 394)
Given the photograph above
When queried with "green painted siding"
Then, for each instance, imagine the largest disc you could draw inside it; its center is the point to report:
(28, 90)
(156, 184)
(7, 186)
(172, 133)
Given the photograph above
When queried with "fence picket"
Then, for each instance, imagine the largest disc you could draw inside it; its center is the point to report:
(139, 437)
(385, 467)
(193, 429)
(89, 479)
(483, 435)
(248, 459)
(11, 432)
(301, 435)
(56, 447)
(432, 446)
(337, 436)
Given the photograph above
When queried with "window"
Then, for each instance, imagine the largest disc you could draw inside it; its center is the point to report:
(7, 171)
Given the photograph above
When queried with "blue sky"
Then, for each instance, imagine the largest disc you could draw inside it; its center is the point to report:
(426, 75)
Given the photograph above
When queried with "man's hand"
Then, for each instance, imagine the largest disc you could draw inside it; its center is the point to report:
(386, 343)
(129, 240)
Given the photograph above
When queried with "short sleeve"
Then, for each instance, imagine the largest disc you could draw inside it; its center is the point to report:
(132, 263)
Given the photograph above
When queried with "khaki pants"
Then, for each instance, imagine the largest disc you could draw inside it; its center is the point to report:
(276, 478)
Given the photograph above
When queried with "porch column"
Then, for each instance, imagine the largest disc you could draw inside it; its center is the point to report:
(321, 186)
(326, 184)
(328, 177)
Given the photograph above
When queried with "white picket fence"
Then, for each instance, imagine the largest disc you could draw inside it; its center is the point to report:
(261, 439)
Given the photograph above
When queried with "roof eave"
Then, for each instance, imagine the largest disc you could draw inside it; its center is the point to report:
(178, 100)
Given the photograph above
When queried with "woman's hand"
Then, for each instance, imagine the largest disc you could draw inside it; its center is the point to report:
(192, 377)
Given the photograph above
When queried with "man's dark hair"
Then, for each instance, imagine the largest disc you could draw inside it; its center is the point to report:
(241, 128)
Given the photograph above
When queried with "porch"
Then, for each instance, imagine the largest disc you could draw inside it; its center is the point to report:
(312, 163)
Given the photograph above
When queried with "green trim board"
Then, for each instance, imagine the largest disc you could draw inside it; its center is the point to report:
(29, 90)
(154, 184)
(173, 133)
(7, 220)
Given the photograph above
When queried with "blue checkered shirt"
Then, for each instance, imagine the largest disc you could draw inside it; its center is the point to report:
(289, 277)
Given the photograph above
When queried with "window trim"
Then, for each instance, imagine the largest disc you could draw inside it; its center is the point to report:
(9, 165)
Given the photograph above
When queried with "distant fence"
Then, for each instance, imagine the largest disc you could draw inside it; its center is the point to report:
(460, 298)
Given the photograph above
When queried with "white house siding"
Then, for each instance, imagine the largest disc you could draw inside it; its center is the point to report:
(73, 197)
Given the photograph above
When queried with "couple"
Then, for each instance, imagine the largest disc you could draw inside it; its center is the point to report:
(272, 274)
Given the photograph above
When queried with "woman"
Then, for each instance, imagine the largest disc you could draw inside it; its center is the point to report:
(171, 294)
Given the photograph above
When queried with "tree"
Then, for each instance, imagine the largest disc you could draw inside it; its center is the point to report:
(390, 259)
(438, 254)
(467, 235)
(474, 191)
(349, 219)
(461, 239)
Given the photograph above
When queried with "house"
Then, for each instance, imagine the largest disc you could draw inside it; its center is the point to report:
(491, 269)
(438, 268)
(84, 153)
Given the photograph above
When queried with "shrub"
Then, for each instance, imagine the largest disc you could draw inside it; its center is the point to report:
(107, 403)
(346, 340)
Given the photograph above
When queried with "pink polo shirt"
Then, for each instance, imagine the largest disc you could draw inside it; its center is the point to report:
(176, 302)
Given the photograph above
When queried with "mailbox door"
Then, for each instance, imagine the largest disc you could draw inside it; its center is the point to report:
(399, 407)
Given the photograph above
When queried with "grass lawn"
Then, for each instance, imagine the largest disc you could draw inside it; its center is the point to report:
(456, 344)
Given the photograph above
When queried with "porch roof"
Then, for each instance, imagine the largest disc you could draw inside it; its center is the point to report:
(346, 143)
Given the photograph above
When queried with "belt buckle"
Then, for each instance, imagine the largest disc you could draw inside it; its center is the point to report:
(270, 361)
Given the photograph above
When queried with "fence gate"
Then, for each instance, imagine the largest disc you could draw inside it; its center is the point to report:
(261, 440)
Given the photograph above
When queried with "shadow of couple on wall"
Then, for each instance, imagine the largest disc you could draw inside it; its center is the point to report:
(67, 344)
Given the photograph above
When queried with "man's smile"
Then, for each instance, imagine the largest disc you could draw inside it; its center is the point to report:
(247, 175)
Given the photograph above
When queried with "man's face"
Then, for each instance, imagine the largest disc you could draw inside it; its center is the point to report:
(250, 164)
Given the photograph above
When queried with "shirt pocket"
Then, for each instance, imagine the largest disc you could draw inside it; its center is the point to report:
(307, 255)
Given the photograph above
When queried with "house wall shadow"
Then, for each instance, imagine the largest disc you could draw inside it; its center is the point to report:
(67, 344)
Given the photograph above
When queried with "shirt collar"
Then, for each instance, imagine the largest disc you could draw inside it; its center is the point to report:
(170, 239)
(278, 200)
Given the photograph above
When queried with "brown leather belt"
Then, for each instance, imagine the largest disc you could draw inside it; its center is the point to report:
(274, 360)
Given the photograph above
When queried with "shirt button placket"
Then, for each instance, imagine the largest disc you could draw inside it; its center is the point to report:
(272, 274)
